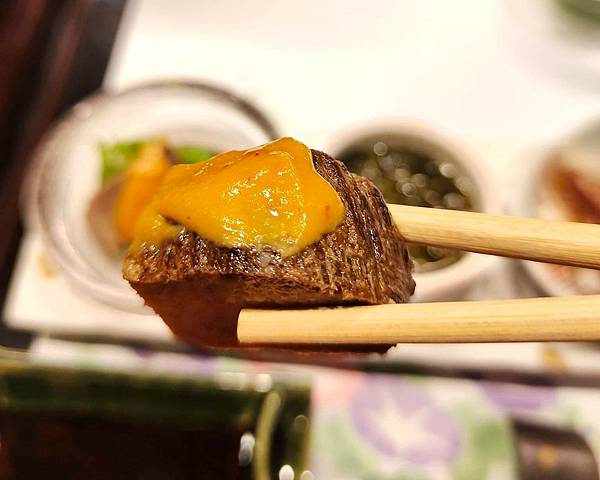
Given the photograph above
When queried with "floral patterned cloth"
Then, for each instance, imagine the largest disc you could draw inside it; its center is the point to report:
(390, 426)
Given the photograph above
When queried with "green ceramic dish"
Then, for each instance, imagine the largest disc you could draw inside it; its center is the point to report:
(155, 425)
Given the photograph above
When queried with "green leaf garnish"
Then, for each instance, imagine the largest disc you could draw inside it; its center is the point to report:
(193, 154)
(117, 157)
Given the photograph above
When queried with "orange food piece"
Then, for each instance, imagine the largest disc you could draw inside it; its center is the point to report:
(266, 196)
(142, 181)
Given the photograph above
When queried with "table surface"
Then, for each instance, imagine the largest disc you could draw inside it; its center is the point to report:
(462, 67)
(317, 66)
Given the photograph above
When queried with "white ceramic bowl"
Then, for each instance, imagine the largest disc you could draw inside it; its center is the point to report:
(67, 165)
(454, 281)
(551, 280)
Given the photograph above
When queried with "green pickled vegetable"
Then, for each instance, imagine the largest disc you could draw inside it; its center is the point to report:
(409, 176)
(117, 157)
(193, 154)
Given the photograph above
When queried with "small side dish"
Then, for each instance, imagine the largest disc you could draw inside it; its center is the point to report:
(415, 165)
(410, 176)
(568, 188)
(194, 120)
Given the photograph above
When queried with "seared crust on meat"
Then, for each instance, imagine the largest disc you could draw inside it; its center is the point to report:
(198, 288)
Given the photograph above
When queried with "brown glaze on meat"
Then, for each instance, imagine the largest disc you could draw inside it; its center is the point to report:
(198, 288)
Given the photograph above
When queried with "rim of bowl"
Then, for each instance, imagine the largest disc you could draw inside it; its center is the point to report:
(464, 271)
(32, 191)
(84, 107)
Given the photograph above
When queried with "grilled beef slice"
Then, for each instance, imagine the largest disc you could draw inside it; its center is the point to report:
(198, 288)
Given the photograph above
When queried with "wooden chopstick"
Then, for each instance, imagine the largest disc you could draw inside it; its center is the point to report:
(567, 243)
(524, 320)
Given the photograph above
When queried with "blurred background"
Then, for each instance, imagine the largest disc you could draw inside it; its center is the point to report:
(488, 105)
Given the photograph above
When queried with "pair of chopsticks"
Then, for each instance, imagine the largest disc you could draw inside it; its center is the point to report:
(537, 319)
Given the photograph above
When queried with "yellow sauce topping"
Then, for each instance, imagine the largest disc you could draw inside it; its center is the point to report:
(266, 196)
